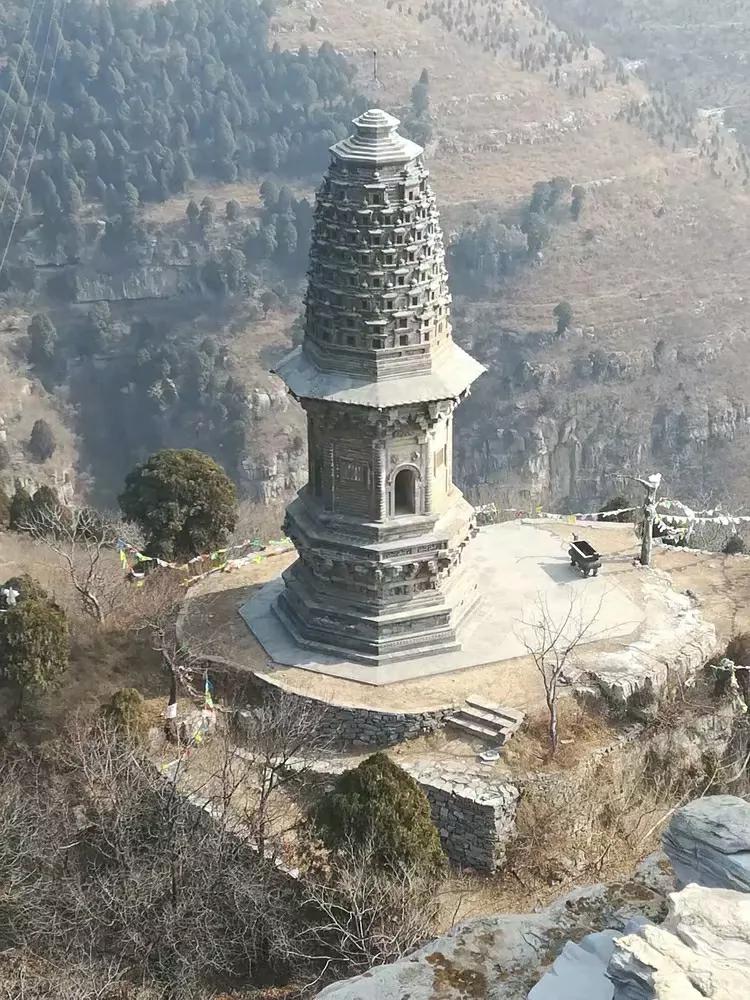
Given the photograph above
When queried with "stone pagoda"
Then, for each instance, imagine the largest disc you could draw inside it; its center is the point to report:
(380, 528)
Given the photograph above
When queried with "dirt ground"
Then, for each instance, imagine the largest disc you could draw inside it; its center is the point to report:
(721, 584)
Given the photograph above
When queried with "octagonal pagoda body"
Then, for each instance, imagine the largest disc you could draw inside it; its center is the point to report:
(380, 528)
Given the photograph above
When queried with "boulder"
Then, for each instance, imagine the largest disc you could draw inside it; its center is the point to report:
(581, 970)
(708, 842)
(700, 952)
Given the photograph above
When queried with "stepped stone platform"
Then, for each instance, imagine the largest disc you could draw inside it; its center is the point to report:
(676, 637)
(490, 722)
(515, 564)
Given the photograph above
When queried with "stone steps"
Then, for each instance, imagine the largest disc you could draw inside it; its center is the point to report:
(513, 716)
(462, 720)
(487, 721)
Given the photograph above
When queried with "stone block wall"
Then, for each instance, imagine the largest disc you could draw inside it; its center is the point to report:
(352, 726)
(348, 725)
(475, 817)
(469, 829)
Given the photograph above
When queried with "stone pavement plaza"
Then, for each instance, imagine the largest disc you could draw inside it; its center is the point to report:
(516, 563)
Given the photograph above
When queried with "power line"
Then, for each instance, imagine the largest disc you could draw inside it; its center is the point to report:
(24, 39)
(22, 82)
(32, 158)
(19, 151)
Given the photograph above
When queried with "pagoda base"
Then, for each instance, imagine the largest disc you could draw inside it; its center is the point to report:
(514, 564)
(376, 601)
(426, 629)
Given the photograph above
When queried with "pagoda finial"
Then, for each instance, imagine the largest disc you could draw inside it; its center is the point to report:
(376, 141)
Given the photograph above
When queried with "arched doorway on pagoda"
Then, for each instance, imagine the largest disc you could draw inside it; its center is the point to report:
(405, 486)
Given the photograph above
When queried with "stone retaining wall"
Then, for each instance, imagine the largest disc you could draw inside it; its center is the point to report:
(475, 814)
(347, 725)
(352, 726)
(474, 828)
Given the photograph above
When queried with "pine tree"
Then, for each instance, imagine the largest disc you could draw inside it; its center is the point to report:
(192, 211)
(183, 172)
(21, 507)
(183, 501)
(34, 642)
(578, 197)
(563, 313)
(42, 341)
(42, 444)
(379, 804)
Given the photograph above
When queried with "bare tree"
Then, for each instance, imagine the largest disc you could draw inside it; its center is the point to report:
(651, 487)
(86, 543)
(25, 976)
(155, 613)
(365, 914)
(284, 736)
(104, 859)
(114, 860)
(551, 641)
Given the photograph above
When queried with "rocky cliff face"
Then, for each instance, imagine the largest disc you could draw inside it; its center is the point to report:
(555, 420)
(277, 464)
(138, 284)
(555, 424)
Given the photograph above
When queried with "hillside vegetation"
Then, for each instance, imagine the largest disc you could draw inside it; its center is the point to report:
(653, 265)
(108, 113)
(198, 244)
(697, 47)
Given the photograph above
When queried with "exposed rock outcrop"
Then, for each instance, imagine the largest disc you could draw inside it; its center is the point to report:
(502, 957)
(700, 952)
(708, 842)
(581, 969)
(151, 282)
(672, 648)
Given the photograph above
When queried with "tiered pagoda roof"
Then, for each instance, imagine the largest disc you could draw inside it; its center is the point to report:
(378, 329)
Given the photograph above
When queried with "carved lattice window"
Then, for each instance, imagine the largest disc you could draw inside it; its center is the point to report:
(352, 471)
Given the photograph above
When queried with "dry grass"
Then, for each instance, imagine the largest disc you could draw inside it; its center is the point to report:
(720, 583)
(461, 73)
(102, 660)
(23, 400)
(256, 341)
(478, 100)
(581, 733)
